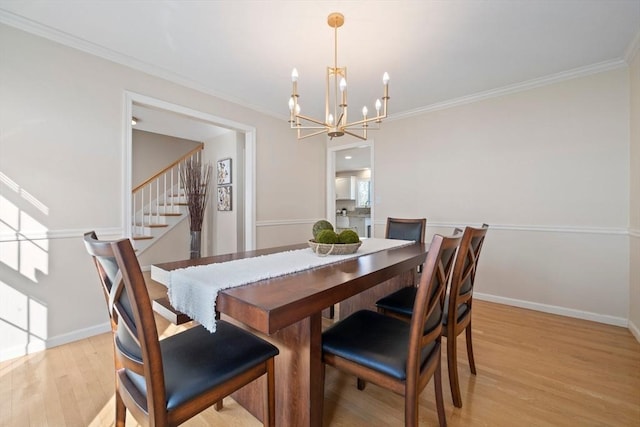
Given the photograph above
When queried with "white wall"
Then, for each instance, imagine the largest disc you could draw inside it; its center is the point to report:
(547, 168)
(634, 220)
(223, 225)
(152, 152)
(61, 158)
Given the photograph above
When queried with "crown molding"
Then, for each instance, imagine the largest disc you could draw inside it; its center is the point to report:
(68, 40)
(633, 49)
(514, 88)
(131, 62)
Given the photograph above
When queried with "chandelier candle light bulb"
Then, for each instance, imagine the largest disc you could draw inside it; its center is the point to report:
(336, 79)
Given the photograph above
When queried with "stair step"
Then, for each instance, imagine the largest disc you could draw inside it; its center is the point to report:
(163, 214)
(151, 225)
(141, 237)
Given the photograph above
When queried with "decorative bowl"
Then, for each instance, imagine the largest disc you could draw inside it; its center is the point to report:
(324, 249)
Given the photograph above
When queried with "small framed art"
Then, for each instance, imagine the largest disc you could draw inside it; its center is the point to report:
(223, 171)
(224, 198)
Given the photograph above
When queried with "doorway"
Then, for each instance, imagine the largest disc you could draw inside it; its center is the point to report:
(247, 223)
(350, 187)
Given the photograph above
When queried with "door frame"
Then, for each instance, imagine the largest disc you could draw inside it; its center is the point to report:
(331, 178)
(249, 132)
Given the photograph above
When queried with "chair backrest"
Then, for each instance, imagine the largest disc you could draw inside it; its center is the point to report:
(464, 272)
(135, 336)
(426, 322)
(406, 229)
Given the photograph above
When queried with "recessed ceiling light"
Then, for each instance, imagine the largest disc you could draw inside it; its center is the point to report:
(348, 157)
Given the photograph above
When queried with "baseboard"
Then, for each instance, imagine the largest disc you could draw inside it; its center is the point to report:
(634, 330)
(554, 309)
(38, 345)
(78, 334)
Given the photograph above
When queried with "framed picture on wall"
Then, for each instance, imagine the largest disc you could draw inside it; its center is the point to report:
(223, 171)
(224, 198)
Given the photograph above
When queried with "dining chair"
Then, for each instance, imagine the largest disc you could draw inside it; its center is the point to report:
(166, 382)
(394, 354)
(406, 229)
(459, 299)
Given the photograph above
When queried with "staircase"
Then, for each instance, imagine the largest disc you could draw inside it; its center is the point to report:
(159, 204)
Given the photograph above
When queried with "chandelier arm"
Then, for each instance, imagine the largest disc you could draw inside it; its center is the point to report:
(365, 121)
(300, 136)
(309, 119)
(364, 138)
(324, 128)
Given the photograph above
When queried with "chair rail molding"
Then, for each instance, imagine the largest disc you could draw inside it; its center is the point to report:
(537, 228)
(24, 235)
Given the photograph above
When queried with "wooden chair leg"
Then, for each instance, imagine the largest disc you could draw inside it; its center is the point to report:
(472, 362)
(361, 384)
(437, 383)
(270, 395)
(452, 364)
(121, 411)
(219, 405)
(411, 408)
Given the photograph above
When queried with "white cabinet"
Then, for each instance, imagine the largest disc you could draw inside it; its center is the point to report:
(363, 193)
(346, 188)
(357, 224)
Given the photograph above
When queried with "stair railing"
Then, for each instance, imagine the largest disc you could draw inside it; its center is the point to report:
(159, 195)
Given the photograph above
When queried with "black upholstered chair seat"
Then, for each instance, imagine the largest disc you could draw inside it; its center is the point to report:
(373, 340)
(401, 301)
(196, 360)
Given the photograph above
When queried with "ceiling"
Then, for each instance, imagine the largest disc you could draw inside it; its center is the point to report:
(436, 52)
(353, 159)
(169, 123)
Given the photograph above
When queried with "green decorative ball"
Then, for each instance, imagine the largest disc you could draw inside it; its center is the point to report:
(348, 236)
(319, 226)
(327, 236)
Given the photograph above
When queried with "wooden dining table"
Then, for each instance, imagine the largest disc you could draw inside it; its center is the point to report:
(287, 311)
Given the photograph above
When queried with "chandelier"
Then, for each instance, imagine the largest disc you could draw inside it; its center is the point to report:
(335, 123)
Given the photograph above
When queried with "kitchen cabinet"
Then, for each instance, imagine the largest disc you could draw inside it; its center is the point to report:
(361, 225)
(363, 192)
(357, 224)
(346, 188)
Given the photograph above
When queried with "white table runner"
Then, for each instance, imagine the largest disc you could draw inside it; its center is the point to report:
(193, 290)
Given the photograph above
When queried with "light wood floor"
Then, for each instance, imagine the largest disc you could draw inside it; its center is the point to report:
(534, 369)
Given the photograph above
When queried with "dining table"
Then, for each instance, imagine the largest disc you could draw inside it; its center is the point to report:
(287, 310)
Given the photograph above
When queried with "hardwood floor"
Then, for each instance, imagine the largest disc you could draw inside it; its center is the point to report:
(534, 369)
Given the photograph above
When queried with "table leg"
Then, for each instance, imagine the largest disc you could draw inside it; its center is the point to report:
(298, 390)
